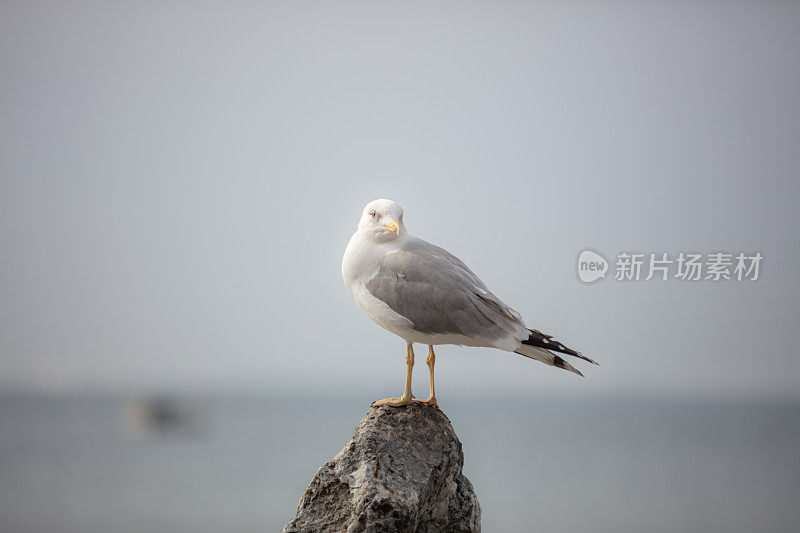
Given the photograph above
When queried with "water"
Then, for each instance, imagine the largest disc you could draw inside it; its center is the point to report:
(239, 464)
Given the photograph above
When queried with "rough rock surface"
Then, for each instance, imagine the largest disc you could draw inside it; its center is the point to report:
(401, 471)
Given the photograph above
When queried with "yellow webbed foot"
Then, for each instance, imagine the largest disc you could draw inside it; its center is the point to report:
(393, 402)
(430, 401)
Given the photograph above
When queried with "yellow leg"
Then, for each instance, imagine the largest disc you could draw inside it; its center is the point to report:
(431, 360)
(407, 397)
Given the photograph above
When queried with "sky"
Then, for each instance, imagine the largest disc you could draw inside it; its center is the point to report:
(178, 184)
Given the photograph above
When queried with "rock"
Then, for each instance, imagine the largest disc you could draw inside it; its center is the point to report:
(401, 471)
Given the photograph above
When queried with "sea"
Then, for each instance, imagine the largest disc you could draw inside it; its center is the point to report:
(239, 463)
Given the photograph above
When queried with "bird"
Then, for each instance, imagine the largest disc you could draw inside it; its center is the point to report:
(426, 295)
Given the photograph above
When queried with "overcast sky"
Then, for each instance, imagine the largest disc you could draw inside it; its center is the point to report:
(178, 184)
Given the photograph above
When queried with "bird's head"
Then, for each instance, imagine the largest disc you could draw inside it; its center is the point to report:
(382, 220)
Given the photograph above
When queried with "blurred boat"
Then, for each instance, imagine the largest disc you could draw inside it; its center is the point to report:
(160, 414)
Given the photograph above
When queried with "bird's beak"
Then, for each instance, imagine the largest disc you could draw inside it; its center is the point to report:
(393, 226)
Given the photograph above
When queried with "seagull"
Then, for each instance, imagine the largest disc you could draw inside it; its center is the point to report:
(426, 295)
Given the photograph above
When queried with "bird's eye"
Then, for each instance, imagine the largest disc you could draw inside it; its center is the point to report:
(373, 214)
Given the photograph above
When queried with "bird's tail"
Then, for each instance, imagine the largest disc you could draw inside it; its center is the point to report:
(546, 357)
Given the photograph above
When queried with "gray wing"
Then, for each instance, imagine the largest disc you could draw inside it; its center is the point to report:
(439, 294)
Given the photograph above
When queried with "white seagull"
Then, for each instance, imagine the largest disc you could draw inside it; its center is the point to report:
(425, 294)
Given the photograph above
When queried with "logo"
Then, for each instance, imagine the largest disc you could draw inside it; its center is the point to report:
(683, 266)
(591, 266)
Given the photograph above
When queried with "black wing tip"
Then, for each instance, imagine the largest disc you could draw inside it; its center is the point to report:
(588, 360)
(559, 362)
(542, 340)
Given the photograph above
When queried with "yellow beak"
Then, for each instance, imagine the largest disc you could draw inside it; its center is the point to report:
(393, 226)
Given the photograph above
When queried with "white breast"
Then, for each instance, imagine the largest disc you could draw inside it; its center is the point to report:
(361, 262)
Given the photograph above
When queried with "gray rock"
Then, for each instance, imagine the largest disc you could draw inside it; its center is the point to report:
(401, 471)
